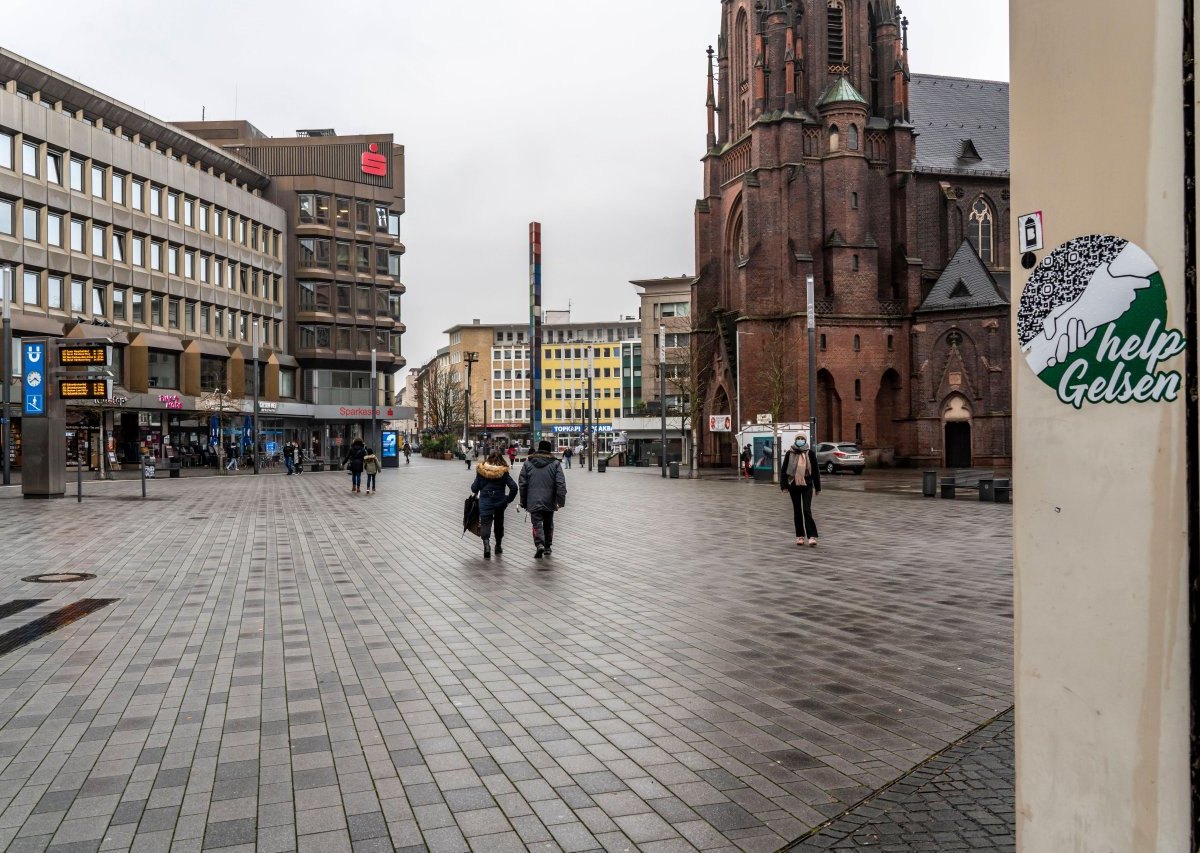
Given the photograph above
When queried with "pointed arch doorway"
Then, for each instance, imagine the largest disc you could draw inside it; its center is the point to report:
(956, 425)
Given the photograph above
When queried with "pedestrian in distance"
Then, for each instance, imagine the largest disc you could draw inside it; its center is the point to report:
(496, 489)
(289, 457)
(543, 489)
(567, 454)
(354, 464)
(407, 453)
(800, 477)
(371, 467)
(512, 455)
(299, 458)
(747, 458)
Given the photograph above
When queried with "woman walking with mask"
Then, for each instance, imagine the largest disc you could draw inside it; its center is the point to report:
(800, 478)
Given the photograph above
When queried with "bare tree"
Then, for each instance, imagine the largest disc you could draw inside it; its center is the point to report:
(689, 369)
(443, 399)
(222, 404)
(774, 371)
(95, 413)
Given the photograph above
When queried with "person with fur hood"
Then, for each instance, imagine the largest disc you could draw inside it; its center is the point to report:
(496, 490)
(543, 491)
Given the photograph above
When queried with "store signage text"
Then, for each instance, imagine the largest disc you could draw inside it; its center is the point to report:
(170, 401)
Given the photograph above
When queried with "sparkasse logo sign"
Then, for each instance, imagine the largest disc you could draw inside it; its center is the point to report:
(373, 163)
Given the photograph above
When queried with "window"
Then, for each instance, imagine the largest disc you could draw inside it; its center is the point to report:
(343, 212)
(254, 235)
(852, 138)
(858, 439)
(205, 316)
(857, 389)
(173, 207)
(137, 307)
(54, 292)
(835, 31)
(364, 258)
(204, 217)
(155, 201)
(156, 310)
(834, 138)
(29, 158)
(244, 278)
(77, 226)
(854, 263)
(31, 292)
(31, 220)
(394, 225)
(242, 327)
(241, 231)
(854, 201)
(212, 372)
(77, 296)
(203, 266)
(97, 181)
(189, 211)
(189, 264)
(77, 175)
(857, 343)
(891, 344)
(98, 241)
(672, 309)
(254, 283)
(343, 255)
(6, 150)
(6, 216)
(99, 301)
(118, 188)
(365, 306)
(307, 208)
(118, 306)
(322, 209)
(156, 255)
(163, 369)
(173, 313)
(362, 216)
(229, 321)
(118, 247)
(343, 299)
(381, 261)
(137, 191)
(979, 230)
(287, 384)
(219, 323)
(216, 222)
(823, 343)
(381, 218)
(172, 260)
(54, 235)
(53, 167)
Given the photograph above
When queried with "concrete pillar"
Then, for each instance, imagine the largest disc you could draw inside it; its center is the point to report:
(1101, 488)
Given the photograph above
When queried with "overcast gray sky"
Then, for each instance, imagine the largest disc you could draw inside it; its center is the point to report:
(588, 117)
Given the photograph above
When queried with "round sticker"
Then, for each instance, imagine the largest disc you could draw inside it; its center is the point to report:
(1092, 324)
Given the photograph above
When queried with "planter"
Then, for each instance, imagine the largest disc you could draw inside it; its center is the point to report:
(447, 456)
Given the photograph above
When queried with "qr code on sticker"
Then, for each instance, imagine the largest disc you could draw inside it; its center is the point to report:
(1061, 277)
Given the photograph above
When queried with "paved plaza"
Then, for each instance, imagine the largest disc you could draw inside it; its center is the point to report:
(268, 663)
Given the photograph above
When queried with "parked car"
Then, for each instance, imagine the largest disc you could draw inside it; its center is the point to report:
(840, 456)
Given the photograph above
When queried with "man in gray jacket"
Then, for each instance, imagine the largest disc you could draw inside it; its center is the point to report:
(543, 490)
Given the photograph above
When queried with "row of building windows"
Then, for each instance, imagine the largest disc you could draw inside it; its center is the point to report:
(316, 297)
(314, 209)
(314, 254)
(103, 182)
(359, 339)
(90, 298)
(90, 237)
(891, 343)
(91, 120)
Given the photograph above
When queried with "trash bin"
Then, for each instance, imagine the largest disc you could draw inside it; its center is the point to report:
(173, 470)
(987, 490)
(1003, 491)
(673, 470)
(601, 465)
(929, 484)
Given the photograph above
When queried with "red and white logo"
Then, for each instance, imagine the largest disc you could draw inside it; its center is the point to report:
(373, 163)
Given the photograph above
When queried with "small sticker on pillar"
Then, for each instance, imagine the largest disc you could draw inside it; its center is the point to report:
(1093, 324)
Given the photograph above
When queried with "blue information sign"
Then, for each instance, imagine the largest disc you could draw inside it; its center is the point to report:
(390, 438)
(33, 392)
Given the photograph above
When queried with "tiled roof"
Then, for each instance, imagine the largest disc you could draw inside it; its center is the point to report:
(957, 116)
(964, 283)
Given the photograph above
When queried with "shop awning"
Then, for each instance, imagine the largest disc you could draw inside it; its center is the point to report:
(88, 332)
(286, 360)
(162, 342)
(35, 325)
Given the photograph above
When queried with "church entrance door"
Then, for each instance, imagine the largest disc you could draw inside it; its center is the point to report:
(958, 444)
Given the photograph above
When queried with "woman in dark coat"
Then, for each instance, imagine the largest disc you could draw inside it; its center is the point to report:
(800, 477)
(354, 462)
(496, 489)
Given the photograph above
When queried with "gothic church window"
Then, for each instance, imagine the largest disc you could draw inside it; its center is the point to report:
(980, 232)
(836, 29)
(852, 138)
(835, 139)
(857, 343)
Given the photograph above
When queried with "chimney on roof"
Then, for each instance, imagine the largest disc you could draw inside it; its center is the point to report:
(475, 322)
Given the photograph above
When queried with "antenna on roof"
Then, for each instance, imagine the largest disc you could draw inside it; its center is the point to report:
(202, 112)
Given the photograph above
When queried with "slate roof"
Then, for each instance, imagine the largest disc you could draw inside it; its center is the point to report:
(947, 112)
(967, 277)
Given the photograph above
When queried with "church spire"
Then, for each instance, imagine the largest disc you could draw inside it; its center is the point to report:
(712, 104)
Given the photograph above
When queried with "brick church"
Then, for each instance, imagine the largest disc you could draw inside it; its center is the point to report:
(827, 157)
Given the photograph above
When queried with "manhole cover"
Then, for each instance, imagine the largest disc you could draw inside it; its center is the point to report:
(59, 577)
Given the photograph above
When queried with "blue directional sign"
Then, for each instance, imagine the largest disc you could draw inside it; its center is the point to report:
(34, 391)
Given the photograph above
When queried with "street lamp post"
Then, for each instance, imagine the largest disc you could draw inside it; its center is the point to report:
(374, 402)
(591, 446)
(662, 393)
(470, 358)
(6, 285)
(254, 414)
(812, 365)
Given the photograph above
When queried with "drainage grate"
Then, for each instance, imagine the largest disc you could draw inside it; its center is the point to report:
(38, 628)
(10, 608)
(59, 577)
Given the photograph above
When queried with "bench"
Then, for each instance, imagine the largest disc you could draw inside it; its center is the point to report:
(990, 489)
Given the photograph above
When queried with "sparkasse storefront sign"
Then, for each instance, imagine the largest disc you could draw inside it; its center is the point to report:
(352, 412)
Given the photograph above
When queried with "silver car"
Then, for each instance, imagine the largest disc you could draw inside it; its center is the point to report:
(840, 456)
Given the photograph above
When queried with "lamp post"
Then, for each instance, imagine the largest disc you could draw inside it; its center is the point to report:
(6, 285)
(470, 358)
(591, 446)
(662, 393)
(485, 405)
(374, 402)
(254, 414)
(812, 365)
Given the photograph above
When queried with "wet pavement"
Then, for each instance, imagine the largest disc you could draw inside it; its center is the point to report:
(287, 667)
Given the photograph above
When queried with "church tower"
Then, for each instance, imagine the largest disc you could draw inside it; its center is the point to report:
(810, 152)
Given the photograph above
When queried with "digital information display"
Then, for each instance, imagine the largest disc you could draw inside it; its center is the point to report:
(84, 389)
(82, 356)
